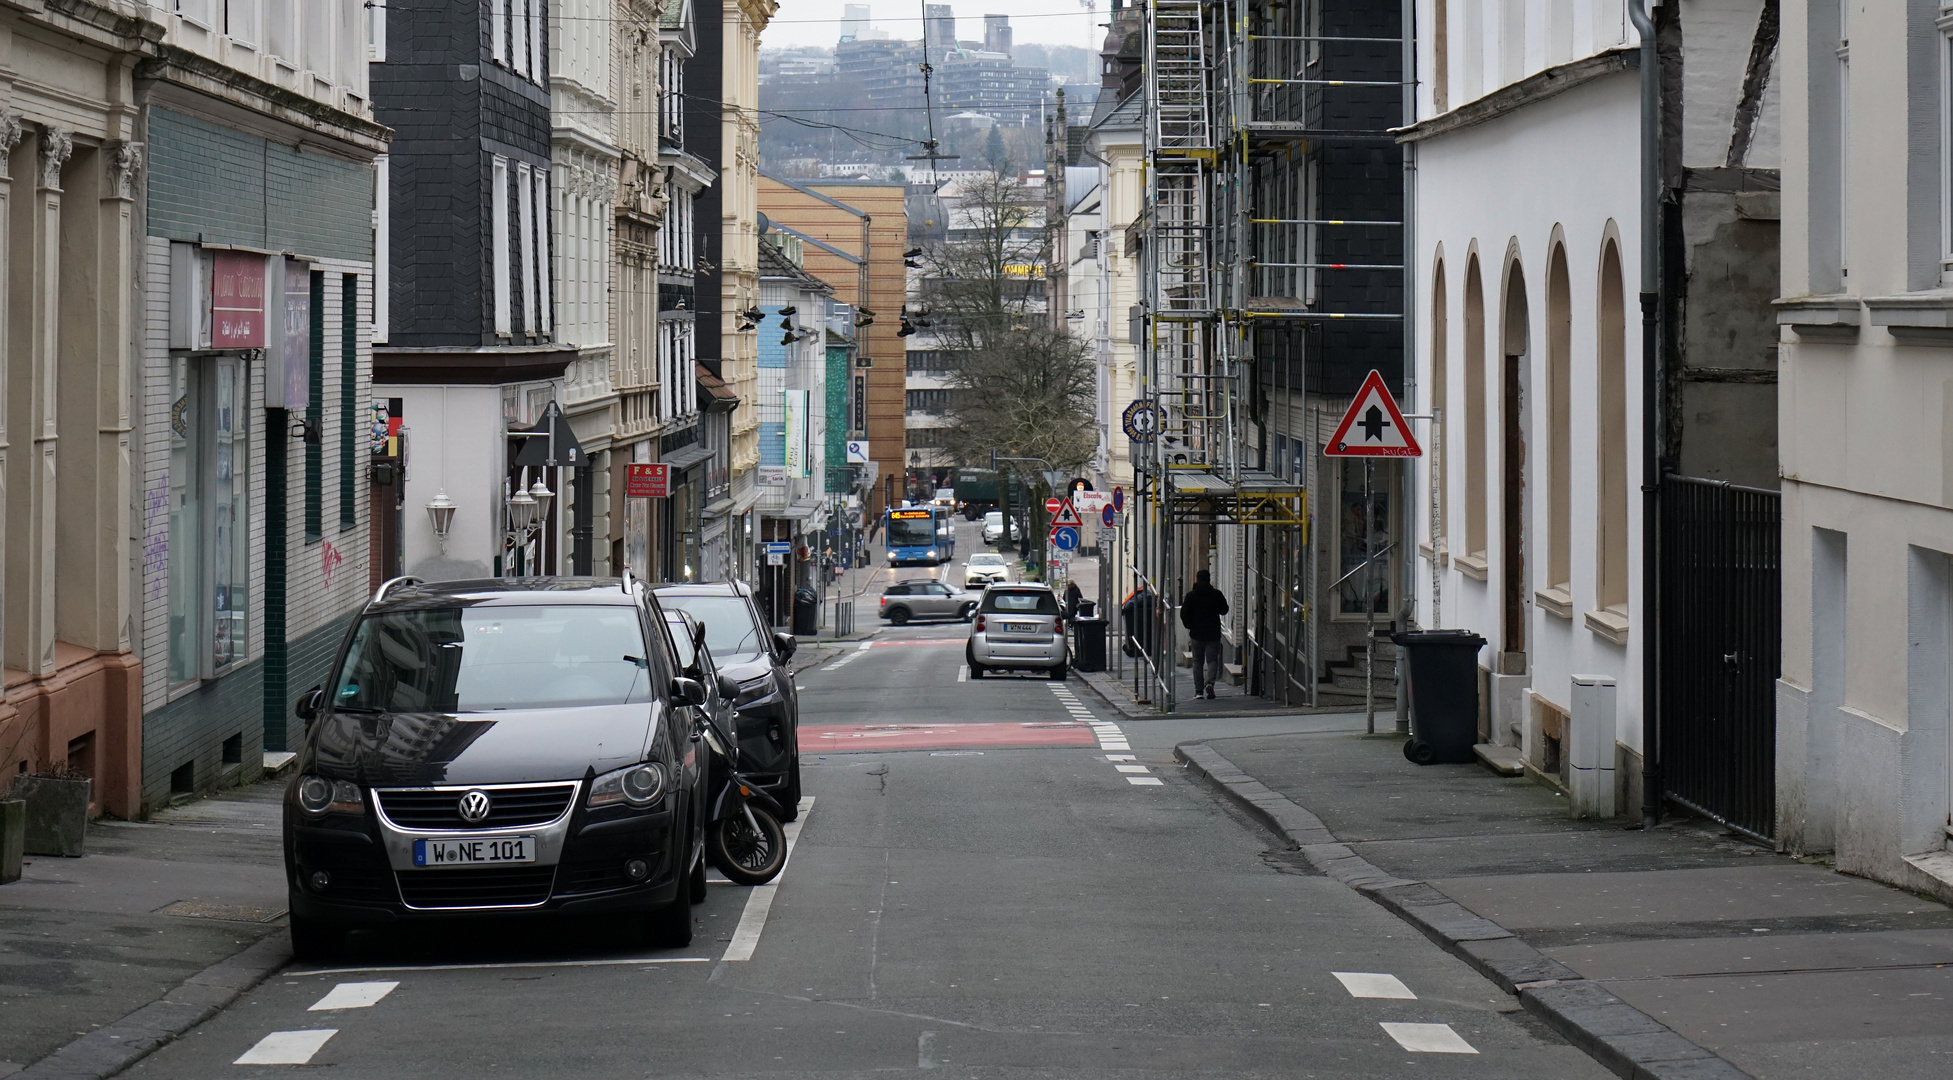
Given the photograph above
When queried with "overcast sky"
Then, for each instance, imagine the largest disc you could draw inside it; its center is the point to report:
(1053, 22)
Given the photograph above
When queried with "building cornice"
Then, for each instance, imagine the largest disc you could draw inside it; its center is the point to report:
(327, 129)
(1512, 97)
(121, 25)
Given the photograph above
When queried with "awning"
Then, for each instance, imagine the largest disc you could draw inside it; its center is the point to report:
(688, 456)
(713, 393)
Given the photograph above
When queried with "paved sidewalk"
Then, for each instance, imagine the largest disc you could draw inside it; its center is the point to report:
(85, 942)
(1781, 967)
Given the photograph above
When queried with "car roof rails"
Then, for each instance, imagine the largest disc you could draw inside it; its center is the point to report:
(405, 579)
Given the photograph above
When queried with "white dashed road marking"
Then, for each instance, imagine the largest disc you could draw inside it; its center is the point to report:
(1131, 768)
(1145, 781)
(286, 1047)
(1109, 736)
(1428, 1038)
(359, 995)
(760, 901)
(1367, 984)
(963, 673)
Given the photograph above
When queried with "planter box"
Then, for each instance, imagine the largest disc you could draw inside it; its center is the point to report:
(57, 814)
(13, 838)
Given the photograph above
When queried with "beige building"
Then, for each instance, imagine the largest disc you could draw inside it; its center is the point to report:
(1864, 705)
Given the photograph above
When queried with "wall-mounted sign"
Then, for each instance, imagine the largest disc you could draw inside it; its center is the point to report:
(237, 301)
(858, 452)
(647, 481)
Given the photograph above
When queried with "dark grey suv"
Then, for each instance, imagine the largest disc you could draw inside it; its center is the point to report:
(498, 747)
(755, 658)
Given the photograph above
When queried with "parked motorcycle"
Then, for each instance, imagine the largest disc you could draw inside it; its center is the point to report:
(743, 835)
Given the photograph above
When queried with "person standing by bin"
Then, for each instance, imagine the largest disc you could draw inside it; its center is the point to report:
(1073, 594)
(1201, 613)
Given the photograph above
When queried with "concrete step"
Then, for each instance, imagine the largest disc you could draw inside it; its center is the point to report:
(1503, 760)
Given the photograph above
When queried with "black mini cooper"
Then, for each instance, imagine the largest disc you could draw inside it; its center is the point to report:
(498, 747)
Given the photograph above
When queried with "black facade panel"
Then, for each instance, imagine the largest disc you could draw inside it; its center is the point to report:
(705, 141)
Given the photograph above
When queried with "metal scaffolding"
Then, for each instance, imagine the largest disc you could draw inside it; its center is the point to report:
(1236, 247)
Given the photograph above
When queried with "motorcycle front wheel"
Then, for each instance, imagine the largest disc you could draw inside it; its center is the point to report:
(744, 855)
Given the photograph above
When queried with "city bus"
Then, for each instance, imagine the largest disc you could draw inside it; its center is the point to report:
(922, 535)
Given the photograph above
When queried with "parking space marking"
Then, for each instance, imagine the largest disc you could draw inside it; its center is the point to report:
(1428, 1038)
(287, 1047)
(1145, 781)
(760, 901)
(1370, 984)
(355, 995)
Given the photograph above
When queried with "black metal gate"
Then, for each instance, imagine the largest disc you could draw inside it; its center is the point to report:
(1721, 635)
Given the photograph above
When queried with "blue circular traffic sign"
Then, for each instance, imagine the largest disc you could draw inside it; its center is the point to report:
(1066, 538)
(1110, 517)
(1119, 499)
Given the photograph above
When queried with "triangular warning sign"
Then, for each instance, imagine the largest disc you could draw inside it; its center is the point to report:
(1067, 516)
(1373, 426)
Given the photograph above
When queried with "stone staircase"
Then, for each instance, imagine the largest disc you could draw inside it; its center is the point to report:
(1342, 683)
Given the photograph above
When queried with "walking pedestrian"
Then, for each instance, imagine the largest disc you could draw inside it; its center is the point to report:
(1073, 594)
(1200, 613)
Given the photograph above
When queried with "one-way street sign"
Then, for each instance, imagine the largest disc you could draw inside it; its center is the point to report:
(1373, 426)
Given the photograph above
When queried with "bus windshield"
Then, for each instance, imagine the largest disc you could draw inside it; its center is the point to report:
(911, 532)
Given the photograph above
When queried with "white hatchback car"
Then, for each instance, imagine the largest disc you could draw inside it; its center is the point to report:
(984, 568)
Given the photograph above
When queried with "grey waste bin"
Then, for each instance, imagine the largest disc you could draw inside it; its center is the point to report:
(1443, 670)
(806, 611)
(1088, 637)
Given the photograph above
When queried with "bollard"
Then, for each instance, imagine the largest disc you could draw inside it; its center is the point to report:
(1591, 753)
(13, 838)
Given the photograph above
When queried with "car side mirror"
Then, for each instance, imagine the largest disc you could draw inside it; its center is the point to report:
(727, 688)
(786, 644)
(309, 703)
(686, 691)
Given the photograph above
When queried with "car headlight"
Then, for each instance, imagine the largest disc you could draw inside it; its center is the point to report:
(753, 689)
(638, 785)
(319, 795)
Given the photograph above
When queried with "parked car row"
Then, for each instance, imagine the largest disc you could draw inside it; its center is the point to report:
(540, 745)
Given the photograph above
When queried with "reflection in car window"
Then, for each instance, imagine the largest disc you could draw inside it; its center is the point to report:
(489, 659)
(1020, 603)
(729, 629)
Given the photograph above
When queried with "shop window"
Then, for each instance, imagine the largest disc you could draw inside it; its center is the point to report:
(209, 517)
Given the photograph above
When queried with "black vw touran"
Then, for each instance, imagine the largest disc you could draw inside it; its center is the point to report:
(498, 747)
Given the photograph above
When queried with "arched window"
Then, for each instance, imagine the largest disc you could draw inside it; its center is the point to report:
(1440, 473)
(1611, 584)
(1559, 421)
(1472, 431)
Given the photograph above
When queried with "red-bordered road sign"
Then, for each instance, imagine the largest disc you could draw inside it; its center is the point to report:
(1373, 426)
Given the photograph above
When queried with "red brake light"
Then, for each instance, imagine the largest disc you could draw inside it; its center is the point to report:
(1057, 626)
(979, 624)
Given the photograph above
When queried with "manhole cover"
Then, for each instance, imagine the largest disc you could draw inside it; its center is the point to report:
(200, 909)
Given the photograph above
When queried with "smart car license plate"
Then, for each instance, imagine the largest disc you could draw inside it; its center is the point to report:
(502, 849)
(1021, 628)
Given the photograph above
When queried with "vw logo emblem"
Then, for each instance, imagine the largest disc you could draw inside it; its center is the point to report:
(474, 807)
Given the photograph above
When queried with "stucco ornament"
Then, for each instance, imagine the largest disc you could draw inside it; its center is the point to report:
(10, 132)
(124, 164)
(56, 144)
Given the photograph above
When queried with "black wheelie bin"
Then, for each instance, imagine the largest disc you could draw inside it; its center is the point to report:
(1443, 670)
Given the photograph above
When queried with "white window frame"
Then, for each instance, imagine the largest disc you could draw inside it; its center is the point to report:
(543, 312)
(498, 30)
(518, 48)
(1945, 26)
(250, 12)
(526, 207)
(382, 248)
(200, 13)
(537, 69)
(499, 242)
(376, 33)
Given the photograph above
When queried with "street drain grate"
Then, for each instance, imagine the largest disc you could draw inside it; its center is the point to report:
(199, 909)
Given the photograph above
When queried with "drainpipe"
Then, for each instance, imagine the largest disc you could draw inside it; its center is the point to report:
(1642, 14)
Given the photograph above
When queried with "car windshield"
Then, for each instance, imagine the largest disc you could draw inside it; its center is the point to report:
(911, 532)
(491, 659)
(729, 629)
(986, 560)
(1020, 603)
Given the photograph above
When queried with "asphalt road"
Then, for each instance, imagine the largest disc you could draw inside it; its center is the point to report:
(994, 879)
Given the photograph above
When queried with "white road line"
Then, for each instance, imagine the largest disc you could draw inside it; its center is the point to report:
(864, 646)
(1118, 757)
(760, 901)
(963, 673)
(1145, 781)
(286, 1047)
(1428, 1038)
(1140, 769)
(640, 960)
(359, 995)
(1368, 984)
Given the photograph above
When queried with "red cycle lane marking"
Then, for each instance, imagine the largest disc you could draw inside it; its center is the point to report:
(866, 738)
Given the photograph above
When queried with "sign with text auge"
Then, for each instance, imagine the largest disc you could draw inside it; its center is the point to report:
(237, 301)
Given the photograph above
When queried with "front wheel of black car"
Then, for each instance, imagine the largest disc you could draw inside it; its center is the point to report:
(743, 854)
(314, 942)
(695, 884)
(790, 792)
